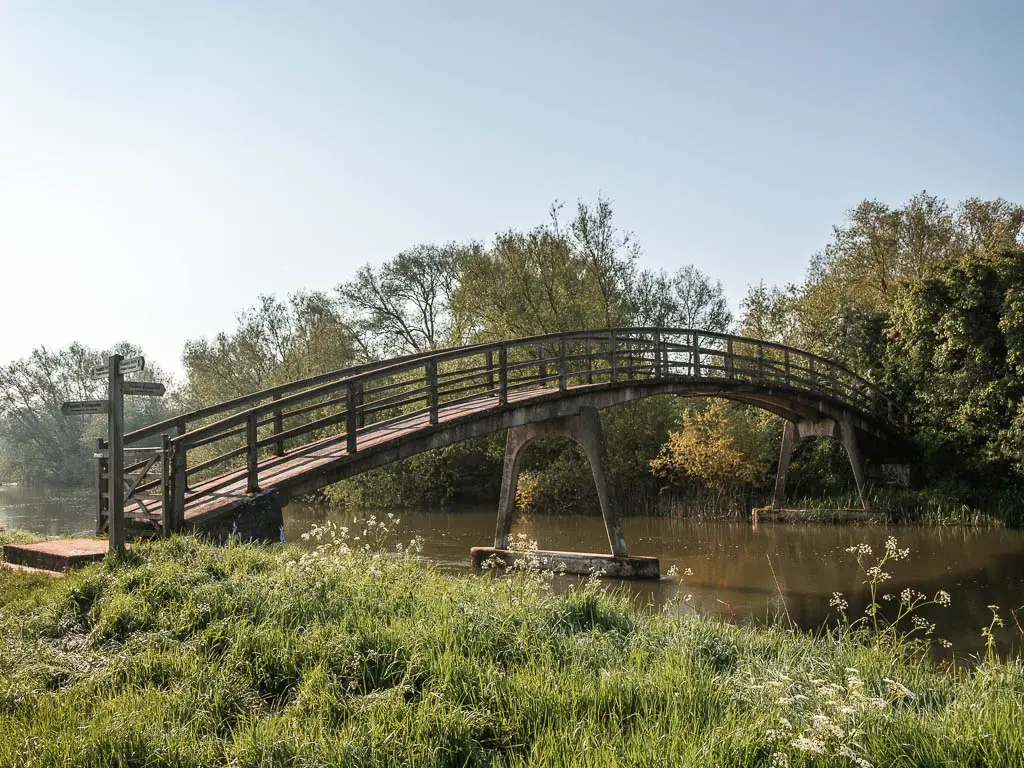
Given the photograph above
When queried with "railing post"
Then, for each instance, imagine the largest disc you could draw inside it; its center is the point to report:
(179, 478)
(252, 455)
(590, 364)
(350, 418)
(760, 362)
(490, 371)
(658, 372)
(432, 390)
(834, 384)
(360, 406)
(278, 428)
(563, 372)
(696, 355)
(102, 484)
(166, 508)
(813, 375)
(730, 371)
(612, 357)
(629, 358)
(785, 355)
(502, 375)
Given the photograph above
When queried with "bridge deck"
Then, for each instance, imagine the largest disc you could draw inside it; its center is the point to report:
(276, 471)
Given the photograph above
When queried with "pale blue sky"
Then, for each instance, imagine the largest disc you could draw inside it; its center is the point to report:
(216, 150)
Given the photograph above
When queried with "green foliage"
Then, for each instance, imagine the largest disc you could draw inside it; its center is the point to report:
(853, 284)
(274, 342)
(955, 352)
(465, 472)
(924, 299)
(191, 655)
(556, 479)
(686, 299)
(548, 279)
(820, 469)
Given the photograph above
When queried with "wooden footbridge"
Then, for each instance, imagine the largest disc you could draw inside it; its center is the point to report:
(202, 470)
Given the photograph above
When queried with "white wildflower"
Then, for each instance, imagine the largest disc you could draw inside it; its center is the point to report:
(806, 744)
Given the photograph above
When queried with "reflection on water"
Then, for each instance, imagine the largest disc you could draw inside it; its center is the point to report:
(732, 563)
(48, 512)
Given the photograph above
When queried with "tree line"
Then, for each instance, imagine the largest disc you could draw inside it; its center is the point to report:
(927, 299)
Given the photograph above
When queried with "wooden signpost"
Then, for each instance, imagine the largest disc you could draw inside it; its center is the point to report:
(115, 369)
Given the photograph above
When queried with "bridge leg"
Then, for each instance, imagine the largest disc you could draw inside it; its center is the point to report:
(841, 429)
(518, 438)
(585, 429)
(785, 456)
(849, 440)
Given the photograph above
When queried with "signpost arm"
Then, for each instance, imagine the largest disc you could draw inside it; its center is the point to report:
(115, 454)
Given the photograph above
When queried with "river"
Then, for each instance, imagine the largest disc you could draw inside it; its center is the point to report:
(738, 573)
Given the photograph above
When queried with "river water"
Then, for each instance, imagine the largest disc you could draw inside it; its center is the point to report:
(734, 571)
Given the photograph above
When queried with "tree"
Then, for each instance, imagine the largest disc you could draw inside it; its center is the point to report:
(611, 254)
(707, 451)
(38, 444)
(989, 226)
(274, 342)
(686, 299)
(404, 305)
(547, 280)
(771, 314)
(956, 353)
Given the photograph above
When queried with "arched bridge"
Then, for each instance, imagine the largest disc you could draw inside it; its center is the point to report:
(298, 437)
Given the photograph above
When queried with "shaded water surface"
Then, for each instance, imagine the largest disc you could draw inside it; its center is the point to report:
(737, 571)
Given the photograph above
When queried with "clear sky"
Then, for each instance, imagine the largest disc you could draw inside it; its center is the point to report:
(162, 163)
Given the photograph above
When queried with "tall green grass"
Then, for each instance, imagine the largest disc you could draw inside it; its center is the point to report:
(933, 506)
(182, 654)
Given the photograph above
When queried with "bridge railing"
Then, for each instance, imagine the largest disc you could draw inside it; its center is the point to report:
(208, 449)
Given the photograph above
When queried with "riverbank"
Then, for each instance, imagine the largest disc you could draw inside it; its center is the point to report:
(189, 655)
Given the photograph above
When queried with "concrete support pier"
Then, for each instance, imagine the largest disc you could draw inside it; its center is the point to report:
(257, 519)
(585, 428)
(841, 430)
